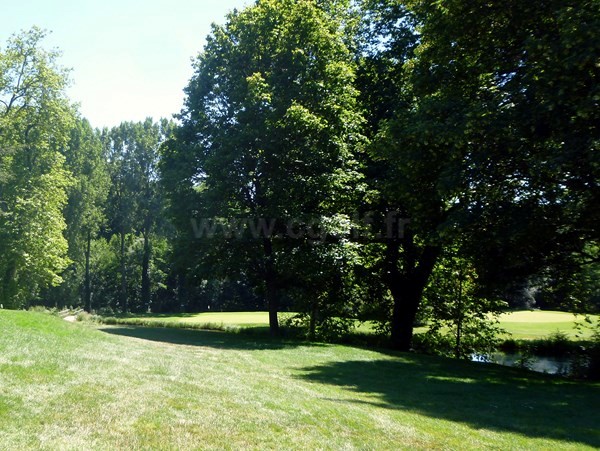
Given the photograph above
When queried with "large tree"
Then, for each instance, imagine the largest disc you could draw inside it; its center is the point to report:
(85, 211)
(135, 198)
(493, 138)
(35, 120)
(268, 133)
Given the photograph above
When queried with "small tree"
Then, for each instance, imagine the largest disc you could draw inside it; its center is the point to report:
(460, 322)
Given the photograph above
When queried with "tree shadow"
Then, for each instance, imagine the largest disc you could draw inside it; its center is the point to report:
(479, 395)
(255, 340)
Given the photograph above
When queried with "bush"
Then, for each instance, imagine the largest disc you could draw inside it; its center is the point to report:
(556, 344)
(42, 309)
(84, 316)
(105, 312)
(461, 322)
(593, 371)
(328, 329)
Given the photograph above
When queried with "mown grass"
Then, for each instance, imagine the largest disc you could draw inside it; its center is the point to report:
(226, 318)
(522, 325)
(535, 324)
(247, 322)
(76, 386)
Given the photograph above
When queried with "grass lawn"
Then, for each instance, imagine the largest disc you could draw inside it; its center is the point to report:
(527, 325)
(77, 386)
(244, 319)
(523, 325)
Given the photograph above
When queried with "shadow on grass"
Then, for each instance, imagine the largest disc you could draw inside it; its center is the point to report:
(255, 338)
(481, 396)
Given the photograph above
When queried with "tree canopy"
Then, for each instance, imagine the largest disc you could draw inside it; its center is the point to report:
(272, 122)
(35, 120)
(384, 160)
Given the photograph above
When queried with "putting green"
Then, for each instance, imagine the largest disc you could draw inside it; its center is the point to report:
(532, 324)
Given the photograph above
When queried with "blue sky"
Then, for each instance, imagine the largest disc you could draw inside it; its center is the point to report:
(130, 59)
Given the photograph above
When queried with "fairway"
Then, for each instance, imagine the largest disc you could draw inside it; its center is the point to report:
(524, 325)
(532, 324)
(73, 386)
(227, 318)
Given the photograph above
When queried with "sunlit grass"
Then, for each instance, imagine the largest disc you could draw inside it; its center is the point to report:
(72, 386)
(523, 325)
(227, 318)
(527, 325)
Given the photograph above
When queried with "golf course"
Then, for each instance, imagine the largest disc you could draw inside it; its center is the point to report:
(87, 386)
(300, 225)
(525, 325)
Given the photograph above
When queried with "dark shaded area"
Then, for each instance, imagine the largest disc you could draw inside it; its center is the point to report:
(479, 395)
(214, 339)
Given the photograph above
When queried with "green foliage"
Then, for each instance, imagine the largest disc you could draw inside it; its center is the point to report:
(269, 130)
(485, 126)
(84, 214)
(594, 366)
(574, 286)
(35, 120)
(105, 264)
(513, 142)
(586, 363)
(86, 160)
(136, 207)
(556, 344)
(460, 322)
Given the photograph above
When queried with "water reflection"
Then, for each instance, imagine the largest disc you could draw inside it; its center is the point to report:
(548, 365)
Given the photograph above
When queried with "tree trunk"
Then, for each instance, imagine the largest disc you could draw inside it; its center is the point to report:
(146, 273)
(271, 287)
(123, 293)
(314, 311)
(406, 286)
(8, 287)
(87, 284)
(407, 298)
(459, 317)
(182, 298)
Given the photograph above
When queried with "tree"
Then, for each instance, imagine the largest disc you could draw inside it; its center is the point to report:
(35, 119)
(494, 139)
(85, 210)
(267, 139)
(403, 246)
(460, 321)
(149, 202)
(121, 205)
(135, 198)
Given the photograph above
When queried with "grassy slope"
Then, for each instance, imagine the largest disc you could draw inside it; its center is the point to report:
(67, 386)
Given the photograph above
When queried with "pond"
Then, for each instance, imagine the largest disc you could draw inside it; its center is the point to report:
(548, 365)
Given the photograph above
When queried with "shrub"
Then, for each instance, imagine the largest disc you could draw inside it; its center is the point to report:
(461, 323)
(84, 316)
(556, 344)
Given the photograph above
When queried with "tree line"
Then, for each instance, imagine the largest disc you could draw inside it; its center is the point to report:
(380, 160)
